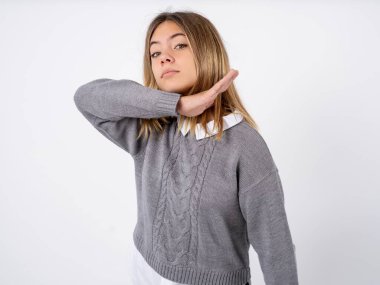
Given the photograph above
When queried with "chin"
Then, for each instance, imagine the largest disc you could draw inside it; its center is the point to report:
(174, 88)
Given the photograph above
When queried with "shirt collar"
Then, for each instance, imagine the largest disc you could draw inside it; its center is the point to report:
(229, 121)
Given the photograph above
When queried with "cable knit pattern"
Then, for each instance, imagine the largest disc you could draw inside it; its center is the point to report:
(175, 225)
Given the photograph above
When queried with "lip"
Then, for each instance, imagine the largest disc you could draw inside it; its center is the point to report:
(169, 72)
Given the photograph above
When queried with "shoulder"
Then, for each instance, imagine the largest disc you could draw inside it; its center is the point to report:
(255, 158)
(251, 140)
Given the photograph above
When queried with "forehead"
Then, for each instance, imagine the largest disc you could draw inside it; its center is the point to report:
(165, 30)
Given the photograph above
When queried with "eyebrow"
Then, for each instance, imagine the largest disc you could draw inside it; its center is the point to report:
(171, 37)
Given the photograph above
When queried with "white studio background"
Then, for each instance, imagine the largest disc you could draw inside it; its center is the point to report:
(308, 73)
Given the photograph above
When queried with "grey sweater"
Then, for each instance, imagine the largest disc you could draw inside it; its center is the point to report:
(201, 203)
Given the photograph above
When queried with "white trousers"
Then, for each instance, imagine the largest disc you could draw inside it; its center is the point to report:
(143, 274)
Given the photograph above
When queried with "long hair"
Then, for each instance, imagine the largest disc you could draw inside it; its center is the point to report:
(211, 63)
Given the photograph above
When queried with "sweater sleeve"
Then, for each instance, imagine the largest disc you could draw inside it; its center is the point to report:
(114, 108)
(262, 206)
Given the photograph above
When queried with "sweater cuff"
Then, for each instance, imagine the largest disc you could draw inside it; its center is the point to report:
(168, 104)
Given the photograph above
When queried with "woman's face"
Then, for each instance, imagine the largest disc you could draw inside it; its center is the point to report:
(170, 50)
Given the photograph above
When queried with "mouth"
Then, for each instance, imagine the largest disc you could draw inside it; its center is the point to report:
(170, 73)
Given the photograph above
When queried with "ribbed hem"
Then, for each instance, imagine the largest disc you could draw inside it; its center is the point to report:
(168, 103)
(189, 275)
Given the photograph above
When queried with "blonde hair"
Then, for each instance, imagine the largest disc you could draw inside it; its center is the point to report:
(211, 63)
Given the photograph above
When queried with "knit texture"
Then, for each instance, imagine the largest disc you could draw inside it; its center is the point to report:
(200, 203)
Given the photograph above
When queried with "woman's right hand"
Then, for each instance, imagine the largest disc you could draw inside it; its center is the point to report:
(196, 104)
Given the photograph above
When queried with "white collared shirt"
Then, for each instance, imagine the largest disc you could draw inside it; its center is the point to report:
(229, 121)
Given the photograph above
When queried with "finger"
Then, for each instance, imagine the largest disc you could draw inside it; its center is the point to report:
(224, 83)
(226, 79)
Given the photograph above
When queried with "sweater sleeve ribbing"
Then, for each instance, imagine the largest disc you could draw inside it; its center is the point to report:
(263, 208)
(114, 108)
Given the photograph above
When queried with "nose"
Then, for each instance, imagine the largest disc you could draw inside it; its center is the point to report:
(166, 58)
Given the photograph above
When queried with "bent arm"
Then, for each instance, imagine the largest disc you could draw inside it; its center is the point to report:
(114, 108)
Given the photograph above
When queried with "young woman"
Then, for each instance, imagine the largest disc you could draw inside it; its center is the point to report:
(207, 185)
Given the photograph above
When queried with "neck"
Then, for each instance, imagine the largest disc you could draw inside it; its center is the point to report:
(210, 117)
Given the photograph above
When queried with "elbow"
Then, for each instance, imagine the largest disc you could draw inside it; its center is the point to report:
(78, 100)
(79, 96)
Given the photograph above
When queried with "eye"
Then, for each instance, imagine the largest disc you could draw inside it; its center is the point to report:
(182, 46)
